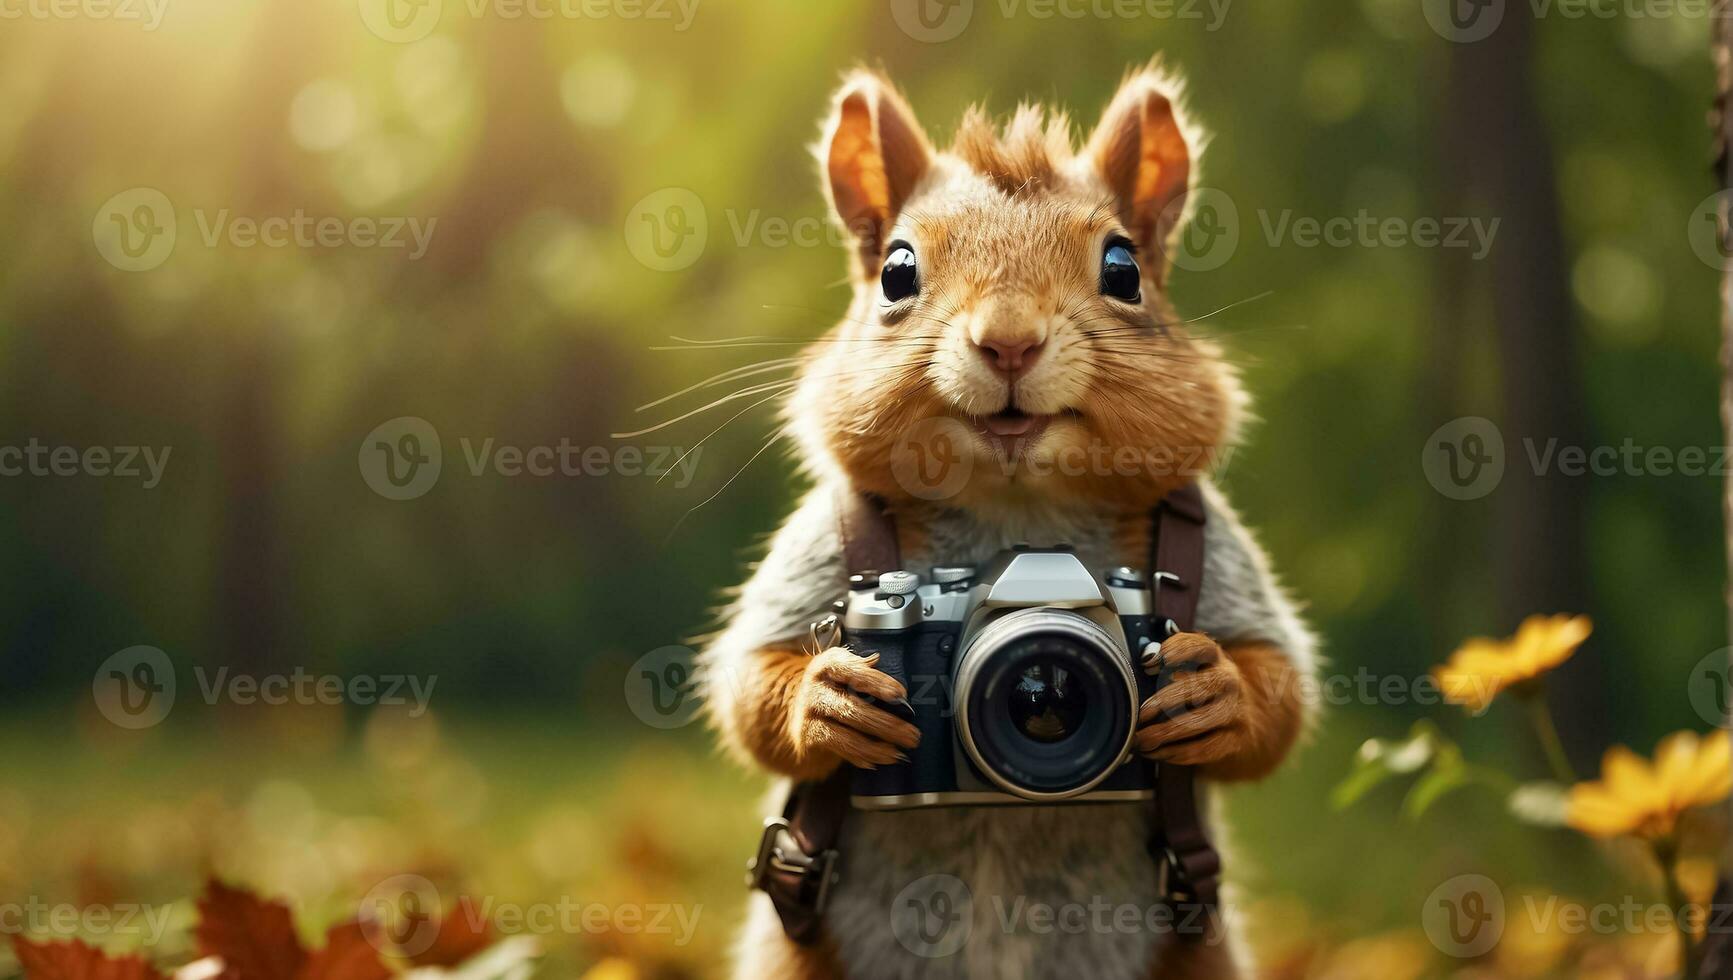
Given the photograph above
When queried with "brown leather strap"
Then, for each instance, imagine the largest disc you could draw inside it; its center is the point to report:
(869, 535)
(798, 855)
(1176, 559)
(1190, 864)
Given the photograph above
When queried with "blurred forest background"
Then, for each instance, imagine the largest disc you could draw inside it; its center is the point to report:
(530, 320)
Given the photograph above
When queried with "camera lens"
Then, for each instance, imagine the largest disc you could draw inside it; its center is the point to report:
(1048, 703)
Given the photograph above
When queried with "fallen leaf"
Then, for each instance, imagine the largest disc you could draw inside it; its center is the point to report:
(348, 955)
(255, 938)
(463, 932)
(76, 961)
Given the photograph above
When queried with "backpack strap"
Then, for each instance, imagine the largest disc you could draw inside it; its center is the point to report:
(1190, 866)
(797, 856)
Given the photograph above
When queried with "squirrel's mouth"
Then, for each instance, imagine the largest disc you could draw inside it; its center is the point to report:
(1013, 430)
(1012, 423)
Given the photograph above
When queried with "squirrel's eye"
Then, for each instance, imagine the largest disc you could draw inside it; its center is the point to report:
(898, 278)
(1120, 277)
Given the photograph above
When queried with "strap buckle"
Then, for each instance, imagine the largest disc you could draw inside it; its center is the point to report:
(1171, 880)
(779, 851)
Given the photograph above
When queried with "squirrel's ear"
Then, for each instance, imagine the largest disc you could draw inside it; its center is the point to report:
(874, 154)
(1141, 150)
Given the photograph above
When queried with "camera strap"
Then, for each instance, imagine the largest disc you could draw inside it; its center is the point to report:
(1190, 867)
(796, 863)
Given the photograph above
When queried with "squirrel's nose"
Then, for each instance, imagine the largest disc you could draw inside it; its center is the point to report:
(1009, 356)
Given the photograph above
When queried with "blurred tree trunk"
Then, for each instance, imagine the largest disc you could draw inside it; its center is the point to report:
(254, 577)
(1498, 162)
(1718, 950)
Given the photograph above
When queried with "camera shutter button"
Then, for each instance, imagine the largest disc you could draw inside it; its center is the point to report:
(899, 583)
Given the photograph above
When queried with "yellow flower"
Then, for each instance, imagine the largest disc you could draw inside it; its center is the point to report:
(1642, 799)
(1482, 667)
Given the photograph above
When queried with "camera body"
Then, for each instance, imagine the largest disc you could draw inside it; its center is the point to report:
(1023, 678)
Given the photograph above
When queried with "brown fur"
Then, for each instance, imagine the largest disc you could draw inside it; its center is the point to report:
(798, 713)
(1233, 712)
(1026, 158)
(1208, 960)
(764, 951)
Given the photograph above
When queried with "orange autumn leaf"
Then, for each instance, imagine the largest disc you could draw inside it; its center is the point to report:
(76, 961)
(255, 938)
(349, 954)
(463, 932)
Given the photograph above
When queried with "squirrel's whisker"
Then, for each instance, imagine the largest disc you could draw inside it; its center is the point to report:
(743, 393)
(733, 374)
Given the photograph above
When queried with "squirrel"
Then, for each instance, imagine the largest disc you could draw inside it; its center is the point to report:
(1012, 288)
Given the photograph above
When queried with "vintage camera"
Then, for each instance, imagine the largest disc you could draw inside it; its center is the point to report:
(1024, 678)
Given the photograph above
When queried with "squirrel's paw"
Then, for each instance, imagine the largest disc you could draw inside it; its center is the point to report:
(1199, 716)
(831, 713)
